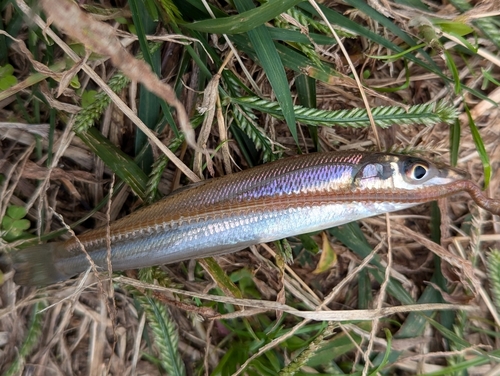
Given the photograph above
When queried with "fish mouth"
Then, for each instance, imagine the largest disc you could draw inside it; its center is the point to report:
(453, 174)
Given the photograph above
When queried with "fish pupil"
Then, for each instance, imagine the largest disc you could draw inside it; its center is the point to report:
(419, 172)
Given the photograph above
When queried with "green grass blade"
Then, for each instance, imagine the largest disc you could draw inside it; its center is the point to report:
(387, 23)
(335, 348)
(353, 238)
(415, 323)
(291, 59)
(296, 36)
(337, 19)
(221, 278)
(365, 296)
(404, 86)
(386, 356)
(478, 141)
(114, 158)
(119, 162)
(398, 55)
(306, 91)
(247, 20)
(454, 142)
(149, 103)
(454, 71)
(459, 342)
(143, 26)
(169, 11)
(487, 77)
(270, 61)
(487, 25)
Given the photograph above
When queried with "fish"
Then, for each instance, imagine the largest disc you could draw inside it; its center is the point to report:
(285, 198)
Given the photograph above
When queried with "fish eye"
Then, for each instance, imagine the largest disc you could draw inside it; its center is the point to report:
(417, 171)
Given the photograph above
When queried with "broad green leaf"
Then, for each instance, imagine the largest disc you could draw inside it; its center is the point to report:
(7, 82)
(16, 212)
(7, 223)
(6, 70)
(21, 224)
(12, 235)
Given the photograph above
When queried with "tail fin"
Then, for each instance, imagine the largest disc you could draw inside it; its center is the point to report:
(5, 263)
(36, 266)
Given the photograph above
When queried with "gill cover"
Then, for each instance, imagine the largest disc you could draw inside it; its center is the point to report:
(385, 171)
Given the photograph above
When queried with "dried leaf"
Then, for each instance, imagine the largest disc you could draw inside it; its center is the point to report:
(328, 257)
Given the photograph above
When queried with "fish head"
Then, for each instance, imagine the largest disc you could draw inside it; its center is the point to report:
(395, 171)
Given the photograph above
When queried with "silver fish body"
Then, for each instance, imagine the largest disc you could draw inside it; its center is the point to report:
(281, 199)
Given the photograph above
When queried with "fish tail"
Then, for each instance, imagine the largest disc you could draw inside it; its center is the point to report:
(37, 265)
(5, 264)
